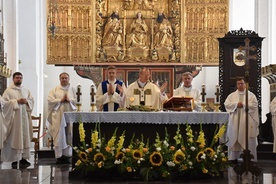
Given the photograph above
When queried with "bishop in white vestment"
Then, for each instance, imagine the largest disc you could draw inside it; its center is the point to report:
(61, 99)
(144, 92)
(235, 105)
(19, 133)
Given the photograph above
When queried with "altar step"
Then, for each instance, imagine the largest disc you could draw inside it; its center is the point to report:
(265, 151)
(46, 153)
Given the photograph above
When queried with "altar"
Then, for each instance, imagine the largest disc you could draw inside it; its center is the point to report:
(146, 123)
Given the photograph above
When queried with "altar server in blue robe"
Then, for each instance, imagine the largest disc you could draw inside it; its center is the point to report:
(110, 93)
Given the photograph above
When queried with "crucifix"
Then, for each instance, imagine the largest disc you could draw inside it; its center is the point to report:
(203, 93)
(247, 164)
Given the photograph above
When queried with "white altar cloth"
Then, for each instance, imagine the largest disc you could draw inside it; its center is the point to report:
(141, 117)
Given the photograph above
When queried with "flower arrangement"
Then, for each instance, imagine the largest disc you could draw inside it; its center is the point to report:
(184, 155)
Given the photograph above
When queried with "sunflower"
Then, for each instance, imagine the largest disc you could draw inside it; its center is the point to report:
(83, 156)
(99, 157)
(178, 157)
(199, 156)
(209, 151)
(156, 159)
(120, 156)
(137, 154)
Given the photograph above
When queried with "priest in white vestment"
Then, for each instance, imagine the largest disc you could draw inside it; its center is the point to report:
(144, 92)
(2, 123)
(187, 90)
(273, 114)
(61, 99)
(18, 125)
(110, 93)
(235, 105)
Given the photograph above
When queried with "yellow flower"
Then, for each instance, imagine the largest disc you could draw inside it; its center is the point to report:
(111, 142)
(78, 163)
(199, 155)
(156, 159)
(178, 157)
(120, 156)
(81, 132)
(204, 170)
(184, 167)
(99, 157)
(137, 154)
(94, 138)
(100, 164)
(209, 151)
(127, 150)
(83, 156)
(220, 133)
(121, 142)
(129, 169)
(201, 139)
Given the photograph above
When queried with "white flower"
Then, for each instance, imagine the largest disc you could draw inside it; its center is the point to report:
(158, 149)
(124, 150)
(190, 163)
(138, 161)
(222, 154)
(166, 143)
(203, 156)
(117, 162)
(193, 148)
(215, 156)
(170, 163)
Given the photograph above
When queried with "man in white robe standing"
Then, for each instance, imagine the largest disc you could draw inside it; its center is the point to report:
(144, 92)
(273, 114)
(110, 93)
(235, 105)
(16, 146)
(187, 90)
(61, 99)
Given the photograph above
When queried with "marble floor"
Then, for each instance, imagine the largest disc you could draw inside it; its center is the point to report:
(46, 171)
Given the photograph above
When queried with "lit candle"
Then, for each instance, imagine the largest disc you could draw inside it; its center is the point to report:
(79, 94)
(203, 93)
(92, 94)
(217, 93)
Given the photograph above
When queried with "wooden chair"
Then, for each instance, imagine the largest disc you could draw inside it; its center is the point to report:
(36, 120)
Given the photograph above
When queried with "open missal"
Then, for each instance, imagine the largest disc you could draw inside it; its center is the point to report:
(179, 103)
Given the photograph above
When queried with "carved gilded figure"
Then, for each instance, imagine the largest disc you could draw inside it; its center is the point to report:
(113, 32)
(163, 33)
(142, 5)
(138, 33)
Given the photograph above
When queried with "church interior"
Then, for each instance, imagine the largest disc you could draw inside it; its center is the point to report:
(217, 41)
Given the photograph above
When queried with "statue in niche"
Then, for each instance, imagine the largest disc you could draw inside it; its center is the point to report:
(113, 32)
(163, 36)
(138, 32)
(137, 41)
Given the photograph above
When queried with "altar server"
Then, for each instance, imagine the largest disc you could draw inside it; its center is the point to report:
(17, 143)
(235, 105)
(144, 92)
(187, 90)
(110, 93)
(61, 99)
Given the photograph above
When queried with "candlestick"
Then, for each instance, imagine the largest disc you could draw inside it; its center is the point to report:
(217, 93)
(79, 94)
(203, 93)
(92, 94)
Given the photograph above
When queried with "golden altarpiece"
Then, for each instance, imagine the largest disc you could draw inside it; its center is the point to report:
(168, 36)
